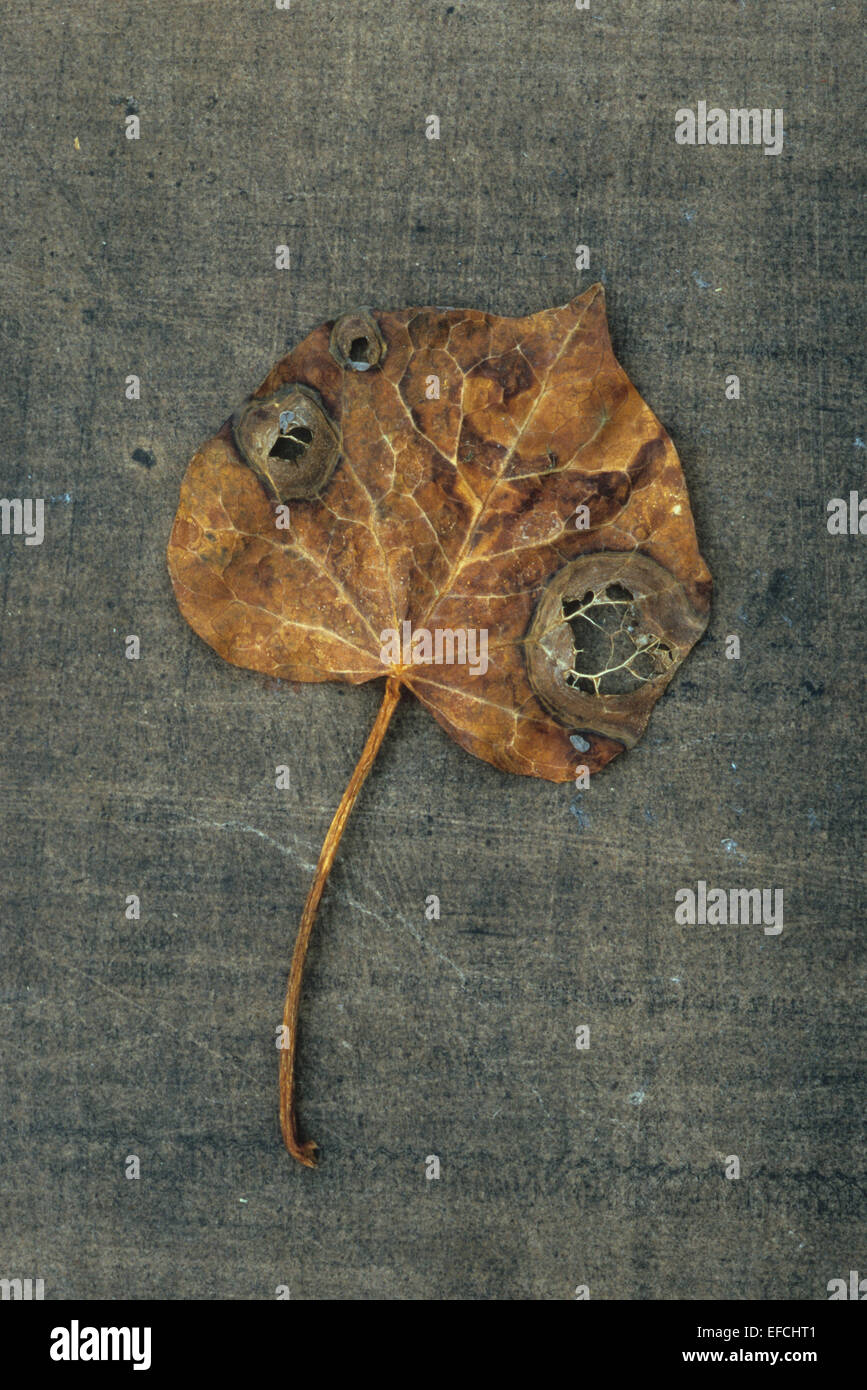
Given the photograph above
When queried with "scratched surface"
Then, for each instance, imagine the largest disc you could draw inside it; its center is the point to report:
(156, 776)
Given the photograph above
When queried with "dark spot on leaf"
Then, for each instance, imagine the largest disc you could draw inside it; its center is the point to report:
(292, 444)
(359, 349)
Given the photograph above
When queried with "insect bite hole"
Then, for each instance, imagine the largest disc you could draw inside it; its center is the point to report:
(616, 593)
(359, 355)
(613, 654)
(292, 444)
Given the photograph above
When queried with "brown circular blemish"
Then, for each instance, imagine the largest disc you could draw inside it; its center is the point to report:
(356, 342)
(289, 442)
(608, 634)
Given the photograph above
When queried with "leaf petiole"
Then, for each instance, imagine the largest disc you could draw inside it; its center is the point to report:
(305, 1152)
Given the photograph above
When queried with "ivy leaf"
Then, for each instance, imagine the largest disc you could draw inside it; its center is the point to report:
(481, 510)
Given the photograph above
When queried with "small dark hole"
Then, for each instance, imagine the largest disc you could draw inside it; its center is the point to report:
(572, 606)
(359, 351)
(615, 593)
(292, 445)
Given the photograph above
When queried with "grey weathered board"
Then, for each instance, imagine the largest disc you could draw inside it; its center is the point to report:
(156, 777)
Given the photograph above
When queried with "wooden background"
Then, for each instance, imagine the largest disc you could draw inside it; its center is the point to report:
(156, 776)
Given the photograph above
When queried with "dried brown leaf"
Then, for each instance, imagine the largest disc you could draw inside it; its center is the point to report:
(450, 471)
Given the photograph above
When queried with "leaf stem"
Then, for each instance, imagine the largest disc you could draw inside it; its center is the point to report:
(305, 1152)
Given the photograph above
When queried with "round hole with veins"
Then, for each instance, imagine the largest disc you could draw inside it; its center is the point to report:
(607, 634)
(612, 656)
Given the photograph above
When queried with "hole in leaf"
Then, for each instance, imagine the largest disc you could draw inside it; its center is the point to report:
(356, 342)
(291, 446)
(612, 654)
(359, 354)
(615, 593)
